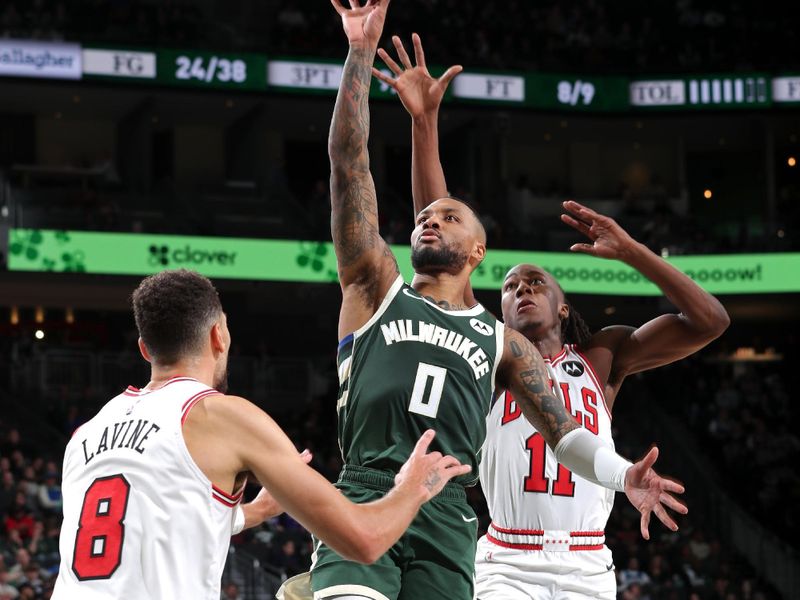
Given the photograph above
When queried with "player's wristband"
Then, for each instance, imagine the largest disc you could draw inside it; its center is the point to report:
(238, 520)
(588, 456)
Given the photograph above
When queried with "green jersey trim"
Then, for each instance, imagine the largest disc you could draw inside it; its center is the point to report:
(500, 333)
(467, 312)
(387, 300)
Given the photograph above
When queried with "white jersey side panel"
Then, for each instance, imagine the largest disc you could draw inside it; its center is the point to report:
(141, 521)
(526, 489)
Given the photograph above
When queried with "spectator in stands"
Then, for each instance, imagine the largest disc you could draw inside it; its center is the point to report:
(16, 574)
(285, 557)
(8, 489)
(632, 575)
(33, 578)
(231, 592)
(30, 487)
(50, 492)
(19, 521)
(7, 591)
(26, 592)
(12, 443)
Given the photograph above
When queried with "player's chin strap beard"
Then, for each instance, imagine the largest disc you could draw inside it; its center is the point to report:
(426, 258)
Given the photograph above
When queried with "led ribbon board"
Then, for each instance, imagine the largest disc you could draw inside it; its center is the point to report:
(314, 262)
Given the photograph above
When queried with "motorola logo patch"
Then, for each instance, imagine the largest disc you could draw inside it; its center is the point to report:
(481, 327)
(572, 368)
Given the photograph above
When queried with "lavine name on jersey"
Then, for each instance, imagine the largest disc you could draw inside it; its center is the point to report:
(402, 330)
(123, 435)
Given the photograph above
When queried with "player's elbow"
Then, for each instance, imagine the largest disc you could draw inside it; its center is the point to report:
(718, 322)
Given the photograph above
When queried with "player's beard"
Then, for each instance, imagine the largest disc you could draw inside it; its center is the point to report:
(221, 379)
(446, 257)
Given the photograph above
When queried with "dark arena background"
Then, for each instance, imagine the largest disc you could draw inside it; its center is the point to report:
(137, 135)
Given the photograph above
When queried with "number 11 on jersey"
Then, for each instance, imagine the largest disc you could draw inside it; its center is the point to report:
(536, 481)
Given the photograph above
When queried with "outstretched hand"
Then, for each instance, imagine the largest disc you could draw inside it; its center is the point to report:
(419, 91)
(427, 473)
(609, 240)
(363, 25)
(650, 493)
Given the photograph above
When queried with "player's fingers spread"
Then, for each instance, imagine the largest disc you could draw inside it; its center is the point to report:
(645, 524)
(354, 4)
(401, 52)
(579, 225)
(419, 53)
(673, 503)
(450, 74)
(383, 77)
(424, 441)
(585, 248)
(664, 517)
(673, 486)
(339, 8)
(389, 61)
(650, 458)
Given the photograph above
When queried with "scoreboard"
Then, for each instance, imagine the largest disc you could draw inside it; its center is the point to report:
(252, 72)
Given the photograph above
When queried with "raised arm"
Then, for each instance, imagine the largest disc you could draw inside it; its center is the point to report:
(421, 95)
(367, 267)
(523, 372)
(619, 351)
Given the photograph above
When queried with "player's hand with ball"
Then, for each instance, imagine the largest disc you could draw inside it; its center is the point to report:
(427, 473)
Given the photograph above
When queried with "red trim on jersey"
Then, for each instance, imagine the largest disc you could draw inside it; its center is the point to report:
(572, 548)
(232, 497)
(189, 405)
(557, 357)
(595, 379)
(580, 548)
(587, 533)
(229, 500)
(223, 501)
(517, 531)
(185, 404)
(494, 540)
(134, 391)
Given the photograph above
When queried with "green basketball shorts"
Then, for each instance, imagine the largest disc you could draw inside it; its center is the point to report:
(434, 559)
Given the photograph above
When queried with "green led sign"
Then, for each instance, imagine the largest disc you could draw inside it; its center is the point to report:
(314, 262)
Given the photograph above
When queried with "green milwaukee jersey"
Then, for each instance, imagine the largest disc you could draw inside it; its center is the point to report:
(415, 366)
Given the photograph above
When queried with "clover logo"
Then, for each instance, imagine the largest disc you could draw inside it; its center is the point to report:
(312, 256)
(25, 243)
(74, 262)
(159, 256)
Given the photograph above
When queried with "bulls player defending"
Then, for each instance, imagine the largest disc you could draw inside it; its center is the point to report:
(151, 484)
(546, 538)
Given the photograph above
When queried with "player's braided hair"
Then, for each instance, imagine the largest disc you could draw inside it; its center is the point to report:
(574, 329)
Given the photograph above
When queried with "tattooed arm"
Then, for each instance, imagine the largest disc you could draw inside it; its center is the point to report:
(366, 265)
(522, 372)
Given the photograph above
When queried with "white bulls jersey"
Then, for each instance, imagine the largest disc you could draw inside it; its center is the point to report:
(141, 521)
(527, 491)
